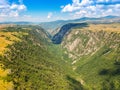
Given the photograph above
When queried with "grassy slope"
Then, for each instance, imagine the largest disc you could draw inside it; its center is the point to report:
(6, 38)
(99, 70)
(33, 66)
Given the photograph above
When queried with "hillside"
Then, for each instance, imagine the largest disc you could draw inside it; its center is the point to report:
(31, 65)
(81, 56)
(7, 38)
(57, 38)
(95, 54)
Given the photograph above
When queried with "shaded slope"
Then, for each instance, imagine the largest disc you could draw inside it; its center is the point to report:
(57, 38)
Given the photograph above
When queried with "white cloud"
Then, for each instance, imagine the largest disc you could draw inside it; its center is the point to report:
(68, 8)
(8, 9)
(92, 8)
(13, 14)
(22, 7)
(76, 5)
(107, 1)
(18, 7)
(50, 15)
(13, 6)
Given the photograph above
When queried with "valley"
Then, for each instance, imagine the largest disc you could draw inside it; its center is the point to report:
(79, 56)
(59, 44)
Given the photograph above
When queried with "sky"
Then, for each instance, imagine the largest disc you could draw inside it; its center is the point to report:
(50, 10)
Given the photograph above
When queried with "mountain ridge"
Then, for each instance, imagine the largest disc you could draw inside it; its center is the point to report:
(53, 25)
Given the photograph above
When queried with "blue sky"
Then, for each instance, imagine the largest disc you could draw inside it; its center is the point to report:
(50, 10)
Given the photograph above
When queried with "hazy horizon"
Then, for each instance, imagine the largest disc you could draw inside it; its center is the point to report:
(44, 11)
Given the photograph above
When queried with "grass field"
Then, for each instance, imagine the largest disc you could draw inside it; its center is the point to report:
(104, 27)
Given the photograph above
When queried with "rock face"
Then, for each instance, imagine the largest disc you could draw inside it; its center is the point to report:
(84, 41)
(57, 38)
(95, 55)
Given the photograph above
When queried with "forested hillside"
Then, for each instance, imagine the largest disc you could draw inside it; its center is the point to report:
(95, 54)
(32, 64)
(85, 57)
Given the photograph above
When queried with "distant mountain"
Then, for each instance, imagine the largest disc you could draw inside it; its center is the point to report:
(52, 26)
(19, 23)
(88, 18)
(110, 17)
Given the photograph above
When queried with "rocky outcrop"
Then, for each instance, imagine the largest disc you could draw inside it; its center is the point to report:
(83, 41)
(57, 38)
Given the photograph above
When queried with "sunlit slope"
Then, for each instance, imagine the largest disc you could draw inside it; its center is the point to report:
(114, 27)
(87, 40)
(5, 85)
(95, 54)
(6, 39)
(33, 65)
